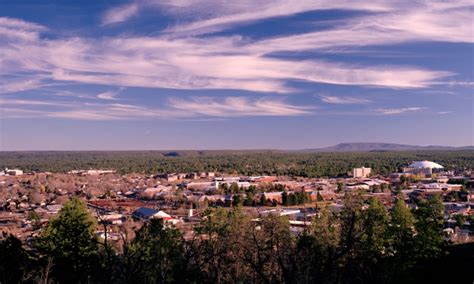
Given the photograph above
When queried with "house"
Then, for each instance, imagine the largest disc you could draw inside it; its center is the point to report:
(167, 219)
(91, 172)
(115, 219)
(144, 213)
(171, 178)
(199, 185)
(200, 198)
(168, 177)
(273, 196)
(211, 174)
(325, 195)
(192, 176)
(242, 184)
(374, 182)
(356, 186)
(470, 196)
(287, 212)
(162, 215)
(13, 172)
(53, 208)
(153, 192)
(441, 186)
(258, 179)
(213, 198)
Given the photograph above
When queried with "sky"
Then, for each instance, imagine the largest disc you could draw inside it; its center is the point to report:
(214, 74)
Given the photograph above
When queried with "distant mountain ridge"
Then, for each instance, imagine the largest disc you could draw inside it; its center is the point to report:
(368, 147)
(342, 147)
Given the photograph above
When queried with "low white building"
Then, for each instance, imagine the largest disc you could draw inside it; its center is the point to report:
(13, 172)
(167, 218)
(243, 184)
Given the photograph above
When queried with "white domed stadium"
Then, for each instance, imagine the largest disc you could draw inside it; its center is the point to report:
(425, 165)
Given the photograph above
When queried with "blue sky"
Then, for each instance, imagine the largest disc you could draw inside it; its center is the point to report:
(192, 74)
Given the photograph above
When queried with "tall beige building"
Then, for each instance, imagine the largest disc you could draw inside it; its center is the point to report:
(361, 172)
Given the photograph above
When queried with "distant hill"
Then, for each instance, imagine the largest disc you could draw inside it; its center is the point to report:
(369, 147)
(342, 147)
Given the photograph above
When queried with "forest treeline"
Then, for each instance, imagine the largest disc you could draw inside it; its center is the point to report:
(363, 243)
(238, 162)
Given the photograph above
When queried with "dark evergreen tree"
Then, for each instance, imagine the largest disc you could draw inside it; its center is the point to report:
(284, 198)
(15, 263)
(69, 240)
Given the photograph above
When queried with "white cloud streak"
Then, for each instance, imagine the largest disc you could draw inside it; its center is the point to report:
(15, 85)
(386, 22)
(16, 29)
(230, 14)
(175, 108)
(109, 95)
(344, 100)
(120, 14)
(444, 112)
(414, 25)
(207, 16)
(238, 106)
(394, 111)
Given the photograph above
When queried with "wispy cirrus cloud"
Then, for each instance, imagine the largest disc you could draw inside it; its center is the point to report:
(444, 112)
(19, 85)
(344, 100)
(232, 62)
(24, 102)
(175, 108)
(231, 14)
(109, 95)
(394, 111)
(238, 106)
(385, 22)
(120, 14)
(187, 55)
(456, 83)
(11, 28)
(214, 63)
(199, 17)
(424, 23)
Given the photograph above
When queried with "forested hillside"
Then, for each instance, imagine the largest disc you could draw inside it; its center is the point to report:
(239, 162)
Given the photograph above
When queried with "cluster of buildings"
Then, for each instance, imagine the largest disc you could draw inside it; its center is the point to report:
(180, 198)
(172, 177)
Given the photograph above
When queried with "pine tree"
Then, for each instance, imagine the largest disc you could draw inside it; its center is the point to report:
(402, 228)
(69, 239)
(156, 255)
(284, 198)
(402, 231)
(429, 227)
(13, 260)
(237, 200)
(319, 197)
(375, 237)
